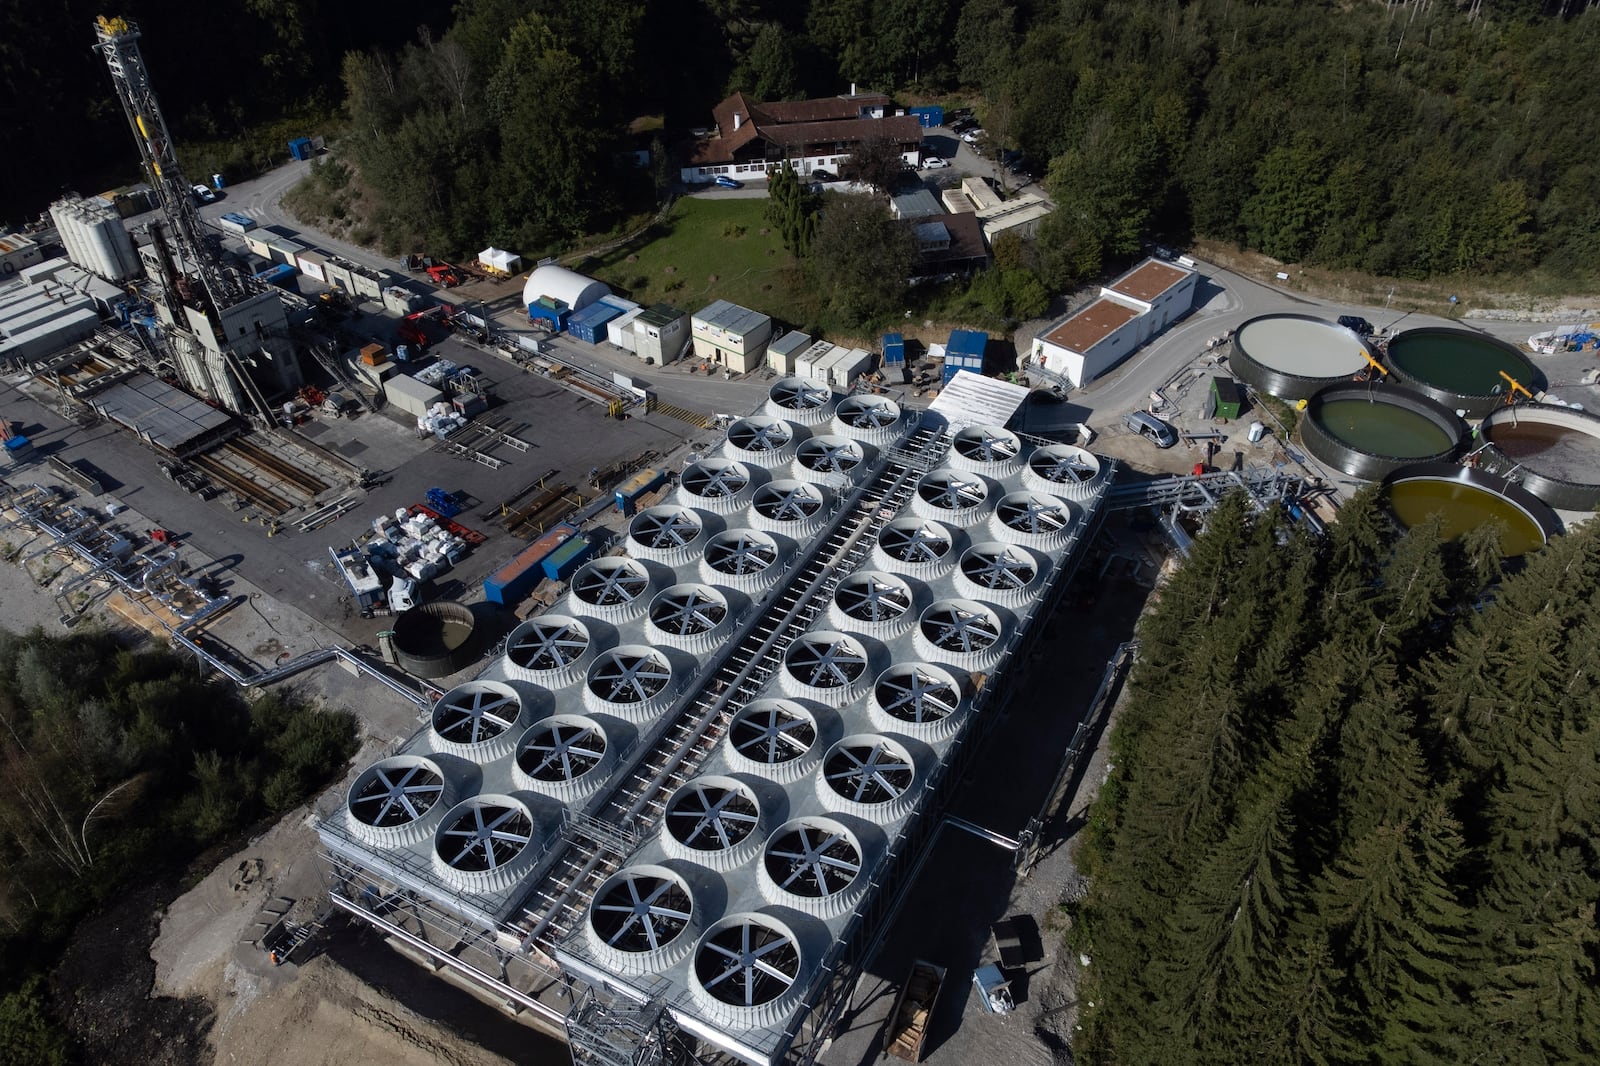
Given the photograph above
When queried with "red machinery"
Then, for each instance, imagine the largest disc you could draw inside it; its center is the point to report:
(444, 275)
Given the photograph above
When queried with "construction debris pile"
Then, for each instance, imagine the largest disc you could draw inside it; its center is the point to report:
(415, 544)
(440, 421)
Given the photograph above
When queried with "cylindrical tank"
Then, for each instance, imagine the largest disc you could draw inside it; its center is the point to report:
(1467, 498)
(435, 639)
(1370, 431)
(1460, 368)
(1292, 356)
(1554, 452)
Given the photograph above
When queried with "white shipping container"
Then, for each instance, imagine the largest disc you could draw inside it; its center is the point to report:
(843, 373)
(410, 395)
(310, 264)
(620, 331)
(805, 365)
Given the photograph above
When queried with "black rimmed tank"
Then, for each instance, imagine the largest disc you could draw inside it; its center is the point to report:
(1371, 430)
(1293, 356)
(1465, 499)
(1462, 369)
(1552, 451)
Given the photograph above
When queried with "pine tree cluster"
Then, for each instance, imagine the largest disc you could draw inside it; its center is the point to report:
(1352, 814)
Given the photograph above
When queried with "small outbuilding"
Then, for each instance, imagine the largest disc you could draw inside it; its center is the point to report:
(733, 336)
(567, 287)
(498, 261)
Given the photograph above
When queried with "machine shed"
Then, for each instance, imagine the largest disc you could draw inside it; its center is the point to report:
(575, 290)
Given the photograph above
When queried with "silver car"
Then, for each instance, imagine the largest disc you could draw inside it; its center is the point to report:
(1153, 429)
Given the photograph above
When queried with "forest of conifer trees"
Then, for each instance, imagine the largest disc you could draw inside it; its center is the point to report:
(1352, 815)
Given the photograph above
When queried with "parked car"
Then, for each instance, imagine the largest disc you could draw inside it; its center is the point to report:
(824, 175)
(204, 195)
(933, 162)
(957, 115)
(1153, 429)
(962, 125)
(974, 135)
(727, 182)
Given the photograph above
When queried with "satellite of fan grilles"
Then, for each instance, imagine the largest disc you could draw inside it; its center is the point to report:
(687, 794)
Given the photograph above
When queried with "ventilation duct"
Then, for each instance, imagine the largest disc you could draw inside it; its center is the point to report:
(921, 700)
(485, 844)
(987, 450)
(826, 666)
(567, 756)
(761, 441)
(633, 682)
(477, 721)
(642, 920)
(831, 460)
(774, 738)
(962, 633)
(398, 800)
(1064, 470)
(551, 650)
(742, 559)
(666, 533)
(954, 496)
(915, 546)
(746, 971)
(999, 573)
(1033, 519)
(813, 865)
(875, 419)
(693, 617)
(792, 508)
(872, 601)
(714, 821)
(615, 588)
(716, 485)
(805, 403)
(868, 775)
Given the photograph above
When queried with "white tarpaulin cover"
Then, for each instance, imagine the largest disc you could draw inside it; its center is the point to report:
(497, 259)
(974, 400)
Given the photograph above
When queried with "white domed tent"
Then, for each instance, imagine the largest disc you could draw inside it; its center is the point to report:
(568, 286)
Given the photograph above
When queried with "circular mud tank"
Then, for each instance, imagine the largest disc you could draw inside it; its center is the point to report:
(435, 639)
(1370, 431)
(1553, 452)
(1466, 499)
(1293, 356)
(1459, 367)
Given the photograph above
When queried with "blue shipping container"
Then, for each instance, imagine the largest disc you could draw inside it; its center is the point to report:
(589, 325)
(928, 117)
(559, 564)
(283, 276)
(522, 571)
(557, 315)
(300, 148)
(894, 349)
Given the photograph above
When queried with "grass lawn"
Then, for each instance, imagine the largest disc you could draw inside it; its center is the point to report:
(708, 250)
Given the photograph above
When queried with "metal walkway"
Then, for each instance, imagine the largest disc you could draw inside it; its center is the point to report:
(636, 804)
(1265, 485)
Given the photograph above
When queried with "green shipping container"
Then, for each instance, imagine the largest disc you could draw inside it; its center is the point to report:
(1226, 400)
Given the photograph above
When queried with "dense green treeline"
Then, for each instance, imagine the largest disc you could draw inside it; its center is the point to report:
(1354, 806)
(118, 766)
(224, 70)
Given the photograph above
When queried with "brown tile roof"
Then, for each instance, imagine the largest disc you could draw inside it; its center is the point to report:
(1148, 280)
(829, 107)
(901, 129)
(794, 123)
(1090, 326)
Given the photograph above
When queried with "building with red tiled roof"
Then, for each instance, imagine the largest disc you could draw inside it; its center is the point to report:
(1128, 312)
(753, 139)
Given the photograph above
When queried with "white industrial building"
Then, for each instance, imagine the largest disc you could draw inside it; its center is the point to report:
(658, 334)
(731, 336)
(576, 291)
(681, 803)
(17, 252)
(1127, 313)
